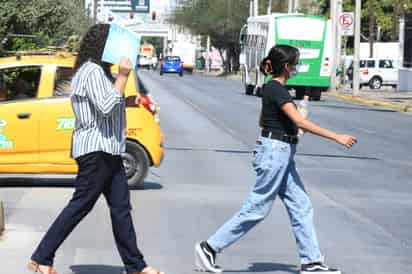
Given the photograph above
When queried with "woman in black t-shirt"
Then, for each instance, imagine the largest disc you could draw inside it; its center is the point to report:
(276, 173)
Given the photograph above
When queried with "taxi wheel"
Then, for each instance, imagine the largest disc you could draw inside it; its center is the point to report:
(136, 164)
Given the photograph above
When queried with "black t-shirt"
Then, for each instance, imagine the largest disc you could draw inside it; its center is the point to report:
(274, 96)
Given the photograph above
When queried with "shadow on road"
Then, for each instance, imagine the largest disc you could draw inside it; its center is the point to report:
(353, 108)
(35, 182)
(268, 267)
(148, 186)
(338, 156)
(249, 151)
(208, 150)
(61, 183)
(96, 269)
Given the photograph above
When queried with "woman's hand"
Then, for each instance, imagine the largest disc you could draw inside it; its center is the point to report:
(137, 100)
(346, 140)
(125, 66)
(291, 111)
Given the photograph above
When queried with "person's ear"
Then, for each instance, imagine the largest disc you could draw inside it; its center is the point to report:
(268, 66)
(286, 67)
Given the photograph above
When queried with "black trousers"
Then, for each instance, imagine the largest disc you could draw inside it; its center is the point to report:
(99, 173)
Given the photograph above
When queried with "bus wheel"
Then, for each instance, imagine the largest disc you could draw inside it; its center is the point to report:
(249, 89)
(300, 92)
(258, 91)
(316, 94)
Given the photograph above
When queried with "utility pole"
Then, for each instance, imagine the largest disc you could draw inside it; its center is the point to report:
(256, 7)
(95, 10)
(372, 23)
(1, 217)
(296, 6)
(334, 21)
(339, 40)
(290, 6)
(269, 10)
(101, 9)
(251, 8)
(357, 48)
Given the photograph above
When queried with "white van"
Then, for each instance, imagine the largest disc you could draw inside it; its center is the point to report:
(187, 53)
(376, 72)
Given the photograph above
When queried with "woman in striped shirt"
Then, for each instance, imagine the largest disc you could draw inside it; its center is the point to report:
(98, 140)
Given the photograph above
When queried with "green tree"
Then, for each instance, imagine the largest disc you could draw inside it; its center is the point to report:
(387, 14)
(52, 22)
(223, 19)
(219, 19)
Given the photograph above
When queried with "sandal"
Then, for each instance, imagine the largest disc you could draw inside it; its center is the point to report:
(150, 270)
(35, 267)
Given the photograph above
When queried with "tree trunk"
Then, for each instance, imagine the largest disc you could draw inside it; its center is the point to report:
(224, 60)
(371, 26)
(395, 19)
(235, 61)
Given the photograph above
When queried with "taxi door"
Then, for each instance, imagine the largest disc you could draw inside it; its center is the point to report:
(19, 122)
(57, 123)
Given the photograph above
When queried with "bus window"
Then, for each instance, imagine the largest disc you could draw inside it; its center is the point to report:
(243, 36)
(249, 41)
(314, 29)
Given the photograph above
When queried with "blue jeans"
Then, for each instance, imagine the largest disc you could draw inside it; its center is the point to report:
(276, 174)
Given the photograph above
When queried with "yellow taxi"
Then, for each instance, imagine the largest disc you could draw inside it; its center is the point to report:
(36, 120)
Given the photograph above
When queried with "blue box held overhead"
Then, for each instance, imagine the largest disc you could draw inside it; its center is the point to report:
(121, 42)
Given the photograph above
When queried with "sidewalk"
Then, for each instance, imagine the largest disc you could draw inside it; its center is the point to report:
(385, 97)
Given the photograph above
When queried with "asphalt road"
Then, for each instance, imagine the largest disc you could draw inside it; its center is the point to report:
(362, 197)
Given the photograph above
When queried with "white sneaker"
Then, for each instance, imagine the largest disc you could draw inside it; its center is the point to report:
(319, 267)
(205, 258)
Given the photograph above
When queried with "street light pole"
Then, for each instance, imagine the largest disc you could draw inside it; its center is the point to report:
(338, 40)
(290, 6)
(251, 8)
(357, 48)
(256, 7)
(95, 10)
(333, 18)
(296, 6)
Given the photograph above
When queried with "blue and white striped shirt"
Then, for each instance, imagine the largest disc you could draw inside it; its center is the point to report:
(99, 111)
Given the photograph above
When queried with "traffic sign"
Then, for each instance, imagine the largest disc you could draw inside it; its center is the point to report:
(346, 23)
(140, 6)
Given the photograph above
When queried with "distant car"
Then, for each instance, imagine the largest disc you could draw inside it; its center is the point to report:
(171, 64)
(154, 62)
(144, 61)
(376, 72)
(36, 120)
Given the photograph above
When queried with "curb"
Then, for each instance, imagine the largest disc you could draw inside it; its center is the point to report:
(402, 107)
(1, 218)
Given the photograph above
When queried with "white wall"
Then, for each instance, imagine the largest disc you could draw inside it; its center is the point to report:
(380, 49)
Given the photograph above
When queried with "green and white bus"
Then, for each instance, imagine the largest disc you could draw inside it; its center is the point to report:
(310, 34)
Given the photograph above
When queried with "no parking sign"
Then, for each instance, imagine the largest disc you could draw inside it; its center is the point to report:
(346, 23)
